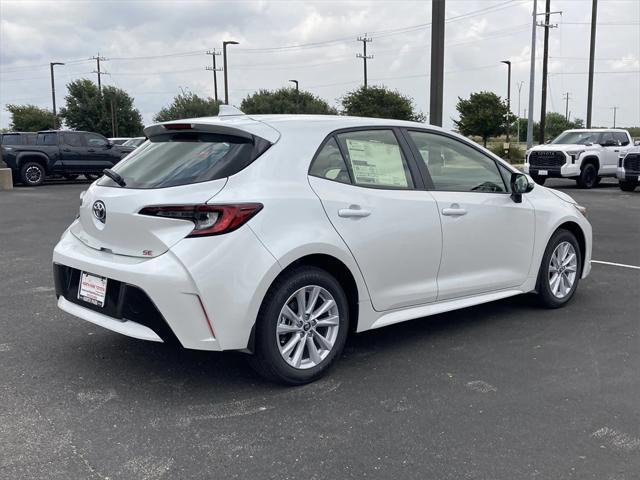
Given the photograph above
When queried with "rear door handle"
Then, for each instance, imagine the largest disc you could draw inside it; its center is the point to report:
(454, 212)
(353, 212)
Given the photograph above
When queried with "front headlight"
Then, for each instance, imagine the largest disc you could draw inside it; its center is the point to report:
(581, 209)
(574, 154)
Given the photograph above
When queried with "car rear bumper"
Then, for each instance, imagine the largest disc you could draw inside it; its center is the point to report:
(203, 294)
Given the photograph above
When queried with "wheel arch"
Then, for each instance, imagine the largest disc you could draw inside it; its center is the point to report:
(577, 231)
(335, 267)
(592, 159)
(37, 157)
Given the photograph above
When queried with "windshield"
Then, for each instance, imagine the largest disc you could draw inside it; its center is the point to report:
(576, 138)
(183, 158)
(133, 142)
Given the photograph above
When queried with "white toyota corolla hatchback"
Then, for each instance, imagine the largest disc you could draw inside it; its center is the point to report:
(278, 235)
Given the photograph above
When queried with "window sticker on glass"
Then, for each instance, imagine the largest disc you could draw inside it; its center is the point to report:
(376, 163)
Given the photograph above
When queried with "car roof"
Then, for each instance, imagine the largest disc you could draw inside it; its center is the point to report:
(270, 127)
(597, 130)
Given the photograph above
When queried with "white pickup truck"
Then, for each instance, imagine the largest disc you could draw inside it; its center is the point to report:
(585, 155)
(629, 169)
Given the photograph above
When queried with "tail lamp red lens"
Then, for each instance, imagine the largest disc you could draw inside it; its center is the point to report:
(178, 126)
(207, 219)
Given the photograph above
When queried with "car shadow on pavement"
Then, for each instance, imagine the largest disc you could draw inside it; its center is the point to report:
(148, 365)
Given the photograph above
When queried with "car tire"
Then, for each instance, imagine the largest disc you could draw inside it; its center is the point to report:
(71, 176)
(588, 176)
(560, 270)
(32, 174)
(284, 341)
(627, 186)
(538, 179)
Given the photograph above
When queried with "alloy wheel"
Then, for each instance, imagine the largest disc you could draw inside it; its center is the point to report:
(563, 269)
(33, 174)
(307, 327)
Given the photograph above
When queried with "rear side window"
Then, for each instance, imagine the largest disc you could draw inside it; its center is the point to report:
(185, 158)
(30, 139)
(376, 159)
(622, 138)
(11, 140)
(330, 164)
(47, 139)
(72, 139)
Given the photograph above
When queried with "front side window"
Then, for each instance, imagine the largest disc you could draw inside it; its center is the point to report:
(176, 159)
(94, 140)
(330, 164)
(376, 159)
(457, 167)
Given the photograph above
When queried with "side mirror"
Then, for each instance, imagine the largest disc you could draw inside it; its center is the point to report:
(520, 185)
(109, 144)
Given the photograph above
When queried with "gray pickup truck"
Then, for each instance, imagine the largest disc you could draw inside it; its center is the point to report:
(34, 156)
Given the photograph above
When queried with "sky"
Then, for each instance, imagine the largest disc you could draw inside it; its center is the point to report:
(156, 48)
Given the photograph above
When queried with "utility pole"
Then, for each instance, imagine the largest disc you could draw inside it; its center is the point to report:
(592, 53)
(213, 69)
(566, 97)
(98, 71)
(436, 87)
(545, 60)
(53, 93)
(615, 109)
(364, 39)
(114, 124)
(508, 64)
(532, 75)
(296, 84)
(520, 84)
(224, 61)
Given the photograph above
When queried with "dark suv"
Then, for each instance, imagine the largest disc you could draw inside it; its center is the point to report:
(33, 156)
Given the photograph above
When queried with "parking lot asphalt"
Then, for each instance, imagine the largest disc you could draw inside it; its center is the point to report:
(505, 390)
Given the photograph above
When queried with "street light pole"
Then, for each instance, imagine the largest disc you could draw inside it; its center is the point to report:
(296, 83)
(520, 84)
(508, 64)
(532, 75)
(53, 93)
(226, 73)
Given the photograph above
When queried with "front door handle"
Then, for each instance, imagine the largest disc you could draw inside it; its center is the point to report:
(353, 212)
(91, 150)
(616, 150)
(454, 211)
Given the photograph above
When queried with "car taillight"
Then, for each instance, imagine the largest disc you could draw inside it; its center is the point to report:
(207, 219)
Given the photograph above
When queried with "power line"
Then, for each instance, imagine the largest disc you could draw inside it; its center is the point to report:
(214, 70)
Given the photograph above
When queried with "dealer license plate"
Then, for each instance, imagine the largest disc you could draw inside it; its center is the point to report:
(92, 289)
(543, 172)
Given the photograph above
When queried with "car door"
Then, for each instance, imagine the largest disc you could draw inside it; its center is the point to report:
(375, 200)
(73, 152)
(98, 153)
(611, 151)
(487, 238)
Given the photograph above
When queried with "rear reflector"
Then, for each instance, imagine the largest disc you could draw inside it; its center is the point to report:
(207, 219)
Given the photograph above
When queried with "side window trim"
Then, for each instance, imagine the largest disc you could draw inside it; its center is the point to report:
(468, 144)
(404, 146)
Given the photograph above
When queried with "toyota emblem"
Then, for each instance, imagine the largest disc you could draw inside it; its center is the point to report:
(100, 211)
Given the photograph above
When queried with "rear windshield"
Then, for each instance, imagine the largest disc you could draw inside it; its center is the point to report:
(185, 158)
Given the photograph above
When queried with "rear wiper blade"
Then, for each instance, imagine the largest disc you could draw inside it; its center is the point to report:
(115, 177)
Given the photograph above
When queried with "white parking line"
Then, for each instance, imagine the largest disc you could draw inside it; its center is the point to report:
(616, 264)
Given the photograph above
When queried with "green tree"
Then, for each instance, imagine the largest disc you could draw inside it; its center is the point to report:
(29, 118)
(88, 109)
(484, 114)
(555, 124)
(380, 102)
(285, 100)
(187, 105)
